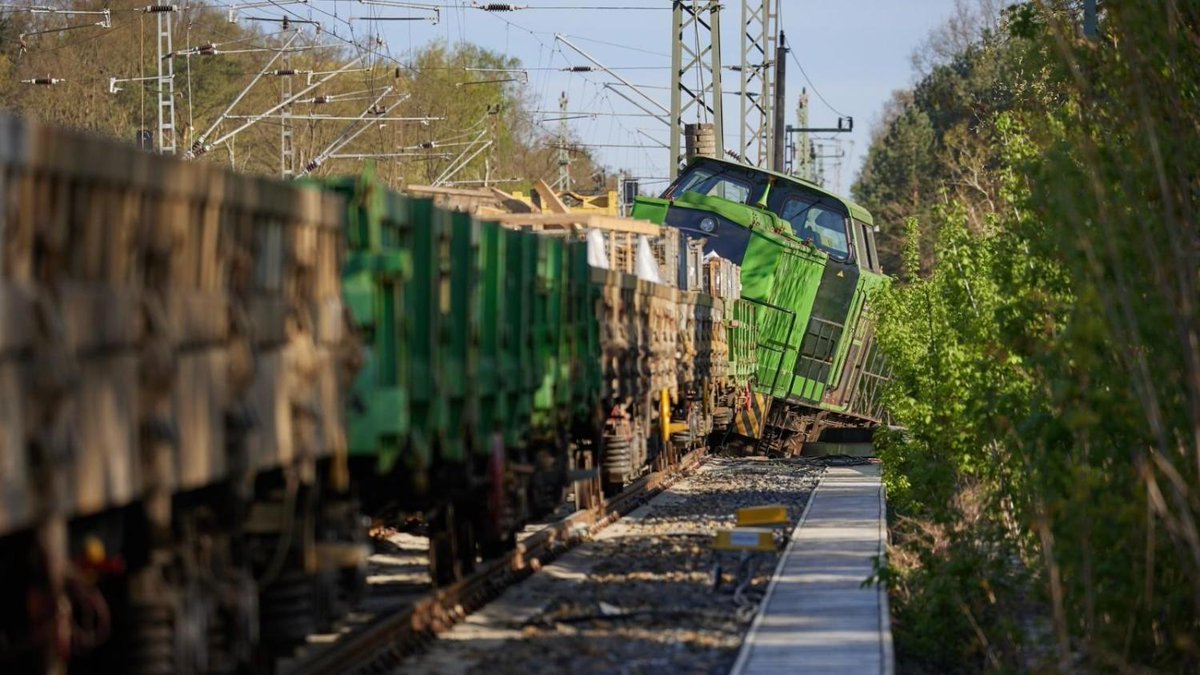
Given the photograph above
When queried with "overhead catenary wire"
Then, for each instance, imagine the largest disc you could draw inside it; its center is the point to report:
(807, 79)
(366, 42)
(200, 148)
(350, 132)
(200, 141)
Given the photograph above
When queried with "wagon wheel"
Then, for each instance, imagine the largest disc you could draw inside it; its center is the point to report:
(445, 563)
(464, 541)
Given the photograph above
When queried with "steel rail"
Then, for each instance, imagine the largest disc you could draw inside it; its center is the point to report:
(383, 644)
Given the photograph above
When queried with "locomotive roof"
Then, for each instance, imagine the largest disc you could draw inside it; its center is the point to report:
(856, 210)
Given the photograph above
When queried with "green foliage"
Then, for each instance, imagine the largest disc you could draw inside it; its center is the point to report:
(1047, 370)
(937, 143)
(954, 383)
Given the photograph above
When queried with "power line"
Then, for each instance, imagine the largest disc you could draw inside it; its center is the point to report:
(617, 44)
(813, 86)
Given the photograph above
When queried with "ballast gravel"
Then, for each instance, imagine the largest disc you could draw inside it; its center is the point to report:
(638, 598)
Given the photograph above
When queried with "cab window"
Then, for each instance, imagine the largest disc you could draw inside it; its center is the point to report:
(721, 184)
(813, 221)
(868, 246)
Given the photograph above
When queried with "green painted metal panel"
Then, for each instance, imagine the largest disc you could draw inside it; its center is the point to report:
(375, 275)
(517, 365)
(587, 372)
(825, 334)
(652, 209)
(783, 279)
(549, 333)
(743, 342)
(490, 307)
(855, 346)
(424, 298)
(460, 335)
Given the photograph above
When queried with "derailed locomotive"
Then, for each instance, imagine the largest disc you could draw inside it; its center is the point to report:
(808, 266)
(208, 380)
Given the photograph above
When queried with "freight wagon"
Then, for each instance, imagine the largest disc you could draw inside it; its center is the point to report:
(207, 380)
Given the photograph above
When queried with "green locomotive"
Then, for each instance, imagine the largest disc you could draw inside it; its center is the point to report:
(809, 265)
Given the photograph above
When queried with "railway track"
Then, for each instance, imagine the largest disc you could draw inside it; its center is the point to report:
(379, 645)
(638, 597)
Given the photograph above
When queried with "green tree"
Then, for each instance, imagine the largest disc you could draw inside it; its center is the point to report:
(1047, 481)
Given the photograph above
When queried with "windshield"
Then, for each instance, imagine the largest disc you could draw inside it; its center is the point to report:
(725, 183)
(812, 219)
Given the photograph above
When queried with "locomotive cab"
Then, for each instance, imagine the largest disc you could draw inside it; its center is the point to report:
(724, 203)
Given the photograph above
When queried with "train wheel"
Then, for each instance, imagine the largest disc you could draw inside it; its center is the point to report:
(441, 548)
(464, 540)
(451, 545)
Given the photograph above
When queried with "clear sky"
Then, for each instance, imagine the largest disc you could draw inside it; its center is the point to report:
(855, 53)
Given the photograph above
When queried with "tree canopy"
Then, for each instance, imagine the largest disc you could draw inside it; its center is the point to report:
(1044, 475)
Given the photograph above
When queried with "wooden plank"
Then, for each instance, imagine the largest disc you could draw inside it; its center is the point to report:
(550, 201)
(449, 192)
(580, 220)
(511, 204)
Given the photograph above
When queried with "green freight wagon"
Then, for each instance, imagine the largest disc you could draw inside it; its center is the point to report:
(471, 384)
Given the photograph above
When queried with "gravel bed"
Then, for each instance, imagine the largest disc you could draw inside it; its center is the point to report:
(638, 598)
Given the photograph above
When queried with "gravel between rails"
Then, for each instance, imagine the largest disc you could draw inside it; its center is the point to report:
(638, 598)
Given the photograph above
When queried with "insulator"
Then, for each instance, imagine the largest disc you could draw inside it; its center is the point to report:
(321, 99)
(428, 145)
(579, 69)
(376, 110)
(286, 71)
(43, 81)
(159, 9)
(498, 7)
(207, 50)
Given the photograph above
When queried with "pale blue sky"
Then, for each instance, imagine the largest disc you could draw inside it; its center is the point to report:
(856, 52)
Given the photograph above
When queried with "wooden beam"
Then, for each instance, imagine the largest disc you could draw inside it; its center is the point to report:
(455, 192)
(550, 201)
(511, 203)
(578, 219)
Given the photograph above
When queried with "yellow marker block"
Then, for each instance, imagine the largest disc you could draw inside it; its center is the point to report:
(769, 514)
(744, 539)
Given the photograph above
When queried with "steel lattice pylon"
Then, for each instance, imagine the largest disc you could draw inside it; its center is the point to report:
(760, 31)
(695, 51)
(166, 79)
(287, 148)
(563, 184)
(803, 149)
